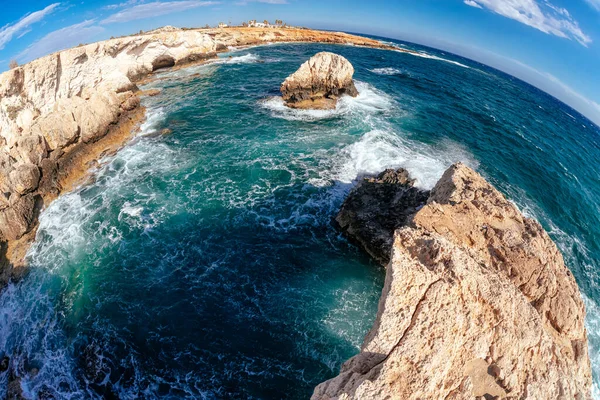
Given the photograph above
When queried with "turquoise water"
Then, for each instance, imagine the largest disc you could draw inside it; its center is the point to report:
(203, 263)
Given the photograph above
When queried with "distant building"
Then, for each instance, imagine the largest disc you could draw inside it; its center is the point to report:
(223, 25)
(254, 24)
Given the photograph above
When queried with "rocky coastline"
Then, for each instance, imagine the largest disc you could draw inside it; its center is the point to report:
(60, 113)
(477, 301)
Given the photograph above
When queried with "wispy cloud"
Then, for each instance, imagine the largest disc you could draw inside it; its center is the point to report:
(472, 3)
(245, 2)
(154, 9)
(541, 15)
(121, 5)
(21, 27)
(594, 3)
(61, 39)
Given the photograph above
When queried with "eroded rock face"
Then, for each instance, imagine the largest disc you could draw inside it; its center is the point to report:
(477, 303)
(319, 82)
(57, 102)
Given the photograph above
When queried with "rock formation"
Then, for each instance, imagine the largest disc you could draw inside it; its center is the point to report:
(319, 82)
(376, 208)
(477, 303)
(55, 109)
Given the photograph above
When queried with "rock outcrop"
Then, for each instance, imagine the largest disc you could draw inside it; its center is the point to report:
(477, 303)
(319, 82)
(377, 207)
(58, 107)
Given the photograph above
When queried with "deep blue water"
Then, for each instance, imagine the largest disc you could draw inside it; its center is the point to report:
(203, 263)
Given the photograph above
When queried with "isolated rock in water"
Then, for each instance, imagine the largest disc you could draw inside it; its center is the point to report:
(378, 206)
(477, 303)
(319, 82)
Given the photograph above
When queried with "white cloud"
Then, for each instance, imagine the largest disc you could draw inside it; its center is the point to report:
(154, 9)
(61, 39)
(472, 3)
(121, 5)
(594, 3)
(543, 16)
(21, 27)
(245, 2)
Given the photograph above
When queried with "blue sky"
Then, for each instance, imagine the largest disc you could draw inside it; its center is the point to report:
(553, 44)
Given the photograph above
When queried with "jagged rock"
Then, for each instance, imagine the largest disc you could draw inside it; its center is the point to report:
(25, 178)
(319, 82)
(95, 115)
(57, 127)
(376, 207)
(16, 220)
(31, 148)
(456, 319)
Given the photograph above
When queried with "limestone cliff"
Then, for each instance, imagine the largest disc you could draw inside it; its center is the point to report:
(477, 303)
(56, 108)
(319, 82)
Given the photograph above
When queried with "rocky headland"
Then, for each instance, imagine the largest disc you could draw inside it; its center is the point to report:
(477, 301)
(59, 114)
(319, 82)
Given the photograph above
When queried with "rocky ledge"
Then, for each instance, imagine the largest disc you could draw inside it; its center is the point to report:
(319, 82)
(477, 301)
(62, 112)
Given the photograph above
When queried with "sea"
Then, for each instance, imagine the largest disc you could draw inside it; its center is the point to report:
(202, 263)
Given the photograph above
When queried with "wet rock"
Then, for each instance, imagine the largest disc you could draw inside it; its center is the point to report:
(378, 206)
(319, 82)
(477, 303)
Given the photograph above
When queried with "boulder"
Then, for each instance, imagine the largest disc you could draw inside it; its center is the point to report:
(457, 319)
(319, 82)
(31, 148)
(17, 219)
(58, 127)
(96, 114)
(25, 178)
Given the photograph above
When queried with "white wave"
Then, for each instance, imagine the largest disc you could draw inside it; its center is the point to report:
(386, 71)
(381, 149)
(369, 100)
(245, 59)
(432, 57)
(154, 117)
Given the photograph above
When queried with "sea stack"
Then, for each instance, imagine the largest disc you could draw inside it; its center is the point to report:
(477, 301)
(319, 82)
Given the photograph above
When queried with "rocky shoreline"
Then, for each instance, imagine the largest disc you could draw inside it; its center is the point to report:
(477, 301)
(62, 112)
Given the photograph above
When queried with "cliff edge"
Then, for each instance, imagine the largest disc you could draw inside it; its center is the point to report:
(477, 303)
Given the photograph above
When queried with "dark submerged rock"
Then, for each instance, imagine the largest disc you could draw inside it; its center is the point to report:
(378, 206)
